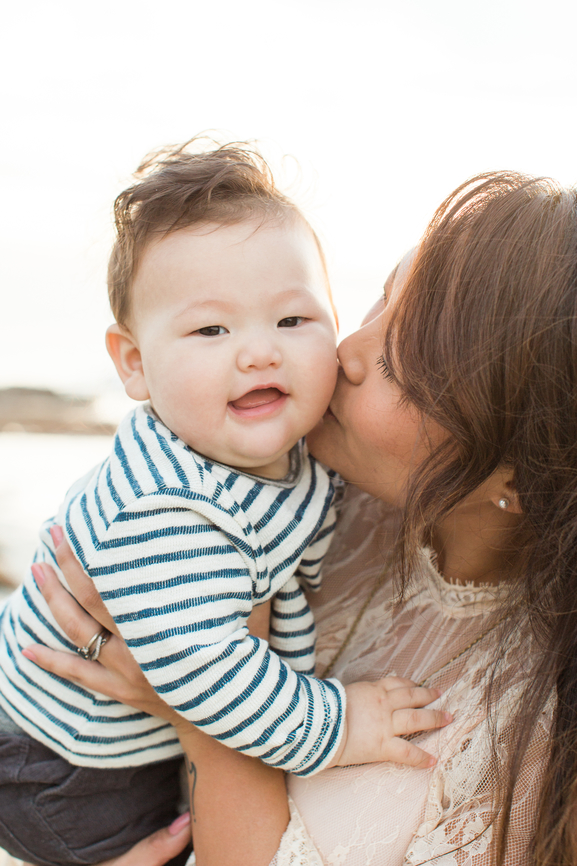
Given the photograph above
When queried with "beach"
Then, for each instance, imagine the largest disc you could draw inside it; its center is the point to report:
(37, 469)
(47, 441)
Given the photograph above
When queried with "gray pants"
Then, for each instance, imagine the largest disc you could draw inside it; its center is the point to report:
(55, 814)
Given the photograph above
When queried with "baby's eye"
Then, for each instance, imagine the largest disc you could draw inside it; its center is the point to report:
(212, 331)
(382, 365)
(290, 322)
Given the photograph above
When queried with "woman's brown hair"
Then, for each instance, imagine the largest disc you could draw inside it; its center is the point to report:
(483, 341)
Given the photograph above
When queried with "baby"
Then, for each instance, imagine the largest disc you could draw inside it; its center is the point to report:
(208, 505)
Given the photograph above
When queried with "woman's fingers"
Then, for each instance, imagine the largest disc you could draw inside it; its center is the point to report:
(159, 848)
(115, 667)
(410, 721)
(80, 627)
(115, 674)
(90, 675)
(80, 584)
(70, 616)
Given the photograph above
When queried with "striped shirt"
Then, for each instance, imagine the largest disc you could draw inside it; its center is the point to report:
(180, 549)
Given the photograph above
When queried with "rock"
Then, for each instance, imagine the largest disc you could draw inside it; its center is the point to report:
(36, 410)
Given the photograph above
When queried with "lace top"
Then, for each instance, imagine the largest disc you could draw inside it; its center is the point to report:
(385, 814)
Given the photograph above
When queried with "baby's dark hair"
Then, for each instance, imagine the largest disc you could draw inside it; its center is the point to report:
(182, 186)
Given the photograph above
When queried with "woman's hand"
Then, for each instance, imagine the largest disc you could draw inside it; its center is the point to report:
(158, 848)
(227, 789)
(116, 673)
(81, 616)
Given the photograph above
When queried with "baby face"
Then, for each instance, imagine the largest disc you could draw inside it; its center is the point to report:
(234, 339)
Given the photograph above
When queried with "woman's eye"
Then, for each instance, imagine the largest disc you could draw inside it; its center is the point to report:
(382, 365)
(212, 331)
(290, 322)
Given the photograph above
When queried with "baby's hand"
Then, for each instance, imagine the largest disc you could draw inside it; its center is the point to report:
(379, 714)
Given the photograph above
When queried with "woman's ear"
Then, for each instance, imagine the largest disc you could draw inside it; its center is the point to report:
(124, 351)
(504, 494)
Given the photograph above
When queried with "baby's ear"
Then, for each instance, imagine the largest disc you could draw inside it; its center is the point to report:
(124, 351)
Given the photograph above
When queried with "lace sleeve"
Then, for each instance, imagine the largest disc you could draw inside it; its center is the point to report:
(296, 847)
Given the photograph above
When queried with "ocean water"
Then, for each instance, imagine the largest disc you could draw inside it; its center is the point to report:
(36, 469)
(35, 472)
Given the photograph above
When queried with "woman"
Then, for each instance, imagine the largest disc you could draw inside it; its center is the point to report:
(457, 407)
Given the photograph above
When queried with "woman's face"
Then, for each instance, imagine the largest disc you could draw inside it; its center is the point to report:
(368, 435)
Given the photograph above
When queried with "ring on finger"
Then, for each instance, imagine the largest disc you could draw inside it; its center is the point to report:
(92, 649)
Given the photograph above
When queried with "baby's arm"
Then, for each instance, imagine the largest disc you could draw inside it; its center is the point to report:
(180, 588)
(379, 714)
(310, 565)
(180, 585)
(292, 628)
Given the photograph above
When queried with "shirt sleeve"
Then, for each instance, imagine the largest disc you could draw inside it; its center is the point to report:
(180, 588)
(309, 570)
(292, 628)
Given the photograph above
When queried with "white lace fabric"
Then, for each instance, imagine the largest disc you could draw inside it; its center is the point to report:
(386, 814)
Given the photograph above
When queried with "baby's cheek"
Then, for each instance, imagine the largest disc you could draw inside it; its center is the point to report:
(330, 373)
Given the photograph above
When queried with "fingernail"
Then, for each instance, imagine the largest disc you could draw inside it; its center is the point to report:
(29, 655)
(57, 535)
(179, 824)
(36, 570)
(431, 762)
(448, 717)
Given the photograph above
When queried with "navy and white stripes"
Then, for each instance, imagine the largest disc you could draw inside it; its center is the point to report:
(180, 549)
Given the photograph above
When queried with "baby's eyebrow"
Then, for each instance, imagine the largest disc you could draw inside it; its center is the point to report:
(221, 306)
(215, 304)
(288, 294)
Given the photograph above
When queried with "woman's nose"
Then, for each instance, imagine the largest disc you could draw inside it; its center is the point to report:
(359, 353)
(258, 354)
(352, 357)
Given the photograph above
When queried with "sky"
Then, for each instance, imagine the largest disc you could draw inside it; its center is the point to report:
(370, 113)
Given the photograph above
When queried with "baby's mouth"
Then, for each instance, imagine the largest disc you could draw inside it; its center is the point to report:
(258, 397)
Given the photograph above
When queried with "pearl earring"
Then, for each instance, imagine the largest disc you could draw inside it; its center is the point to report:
(504, 503)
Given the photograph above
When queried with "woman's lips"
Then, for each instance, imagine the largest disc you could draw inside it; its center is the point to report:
(261, 401)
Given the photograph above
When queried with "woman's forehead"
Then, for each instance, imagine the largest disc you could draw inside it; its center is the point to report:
(397, 278)
(392, 287)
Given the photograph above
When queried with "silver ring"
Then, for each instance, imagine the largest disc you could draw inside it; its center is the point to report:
(92, 649)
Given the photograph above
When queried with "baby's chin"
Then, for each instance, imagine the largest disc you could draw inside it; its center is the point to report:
(276, 469)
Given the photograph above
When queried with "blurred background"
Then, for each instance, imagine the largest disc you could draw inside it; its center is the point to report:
(370, 112)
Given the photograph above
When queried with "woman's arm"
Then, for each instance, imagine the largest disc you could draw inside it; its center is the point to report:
(239, 805)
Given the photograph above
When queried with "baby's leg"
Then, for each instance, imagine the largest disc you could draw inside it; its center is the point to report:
(56, 814)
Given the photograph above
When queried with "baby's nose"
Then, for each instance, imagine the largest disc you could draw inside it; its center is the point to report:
(259, 354)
